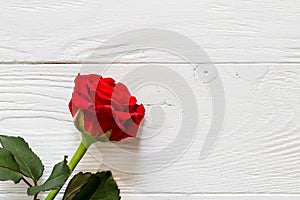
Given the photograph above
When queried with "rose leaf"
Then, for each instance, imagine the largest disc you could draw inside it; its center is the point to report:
(75, 185)
(58, 177)
(29, 163)
(9, 169)
(99, 186)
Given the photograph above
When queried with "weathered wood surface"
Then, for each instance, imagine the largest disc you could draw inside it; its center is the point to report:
(230, 31)
(257, 153)
(254, 44)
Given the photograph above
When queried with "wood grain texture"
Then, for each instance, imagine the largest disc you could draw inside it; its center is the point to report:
(254, 44)
(229, 31)
(257, 153)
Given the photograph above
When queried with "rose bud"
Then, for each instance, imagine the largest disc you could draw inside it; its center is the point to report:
(104, 109)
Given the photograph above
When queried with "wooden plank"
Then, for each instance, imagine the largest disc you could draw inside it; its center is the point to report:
(177, 197)
(210, 197)
(229, 31)
(257, 153)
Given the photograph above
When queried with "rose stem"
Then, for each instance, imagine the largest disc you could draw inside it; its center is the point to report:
(26, 182)
(72, 164)
(35, 197)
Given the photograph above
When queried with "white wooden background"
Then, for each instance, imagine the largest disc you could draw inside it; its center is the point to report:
(254, 44)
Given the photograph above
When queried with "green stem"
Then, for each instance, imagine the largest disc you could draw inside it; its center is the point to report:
(77, 156)
(72, 164)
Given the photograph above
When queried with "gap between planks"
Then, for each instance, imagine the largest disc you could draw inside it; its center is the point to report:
(87, 62)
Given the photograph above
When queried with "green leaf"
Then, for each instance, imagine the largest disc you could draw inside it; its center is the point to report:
(76, 184)
(99, 186)
(108, 189)
(29, 163)
(9, 169)
(58, 177)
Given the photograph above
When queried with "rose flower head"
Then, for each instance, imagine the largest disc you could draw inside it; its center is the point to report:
(105, 108)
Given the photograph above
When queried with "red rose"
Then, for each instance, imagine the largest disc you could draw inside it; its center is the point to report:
(107, 106)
